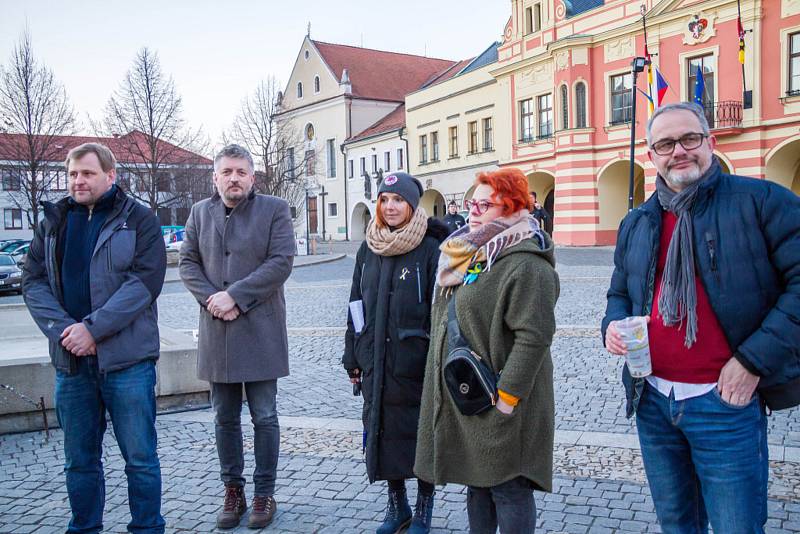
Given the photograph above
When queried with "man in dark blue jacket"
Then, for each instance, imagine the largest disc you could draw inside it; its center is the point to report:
(94, 270)
(712, 261)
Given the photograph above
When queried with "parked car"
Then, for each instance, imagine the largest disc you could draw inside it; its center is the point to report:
(11, 244)
(10, 274)
(174, 239)
(20, 252)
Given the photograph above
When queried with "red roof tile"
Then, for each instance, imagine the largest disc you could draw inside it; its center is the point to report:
(380, 75)
(393, 121)
(127, 148)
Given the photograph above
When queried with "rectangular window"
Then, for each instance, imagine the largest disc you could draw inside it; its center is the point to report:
(794, 64)
(435, 146)
(453, 141)
(537, 17)
(423, 149)
(164, 216)
(526, 120)
(331, 144)
(472, 130)
(12, 218)
(621, 98)
(387, 161)
(333, 209)
(163, 182)
(544, 106)
(487, 134)
(374, 163)
(310, 163)
(181, 215)
(363, 166)
(350, 168)
(290, 163)
(528, 20)
(707, 65)
(400, 158)
(58, 180)
(10, 179)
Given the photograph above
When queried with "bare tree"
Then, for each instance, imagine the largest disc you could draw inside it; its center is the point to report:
(283, 165)
(35, 113)
(156, 150)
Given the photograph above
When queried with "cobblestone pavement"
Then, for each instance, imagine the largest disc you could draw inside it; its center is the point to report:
(599, 482)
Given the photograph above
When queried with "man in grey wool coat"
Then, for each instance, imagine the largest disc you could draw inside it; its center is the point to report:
(236, 255)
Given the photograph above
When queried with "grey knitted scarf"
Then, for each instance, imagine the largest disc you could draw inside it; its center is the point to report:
(678, 299)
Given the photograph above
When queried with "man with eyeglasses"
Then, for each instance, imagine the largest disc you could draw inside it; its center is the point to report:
(712, 261)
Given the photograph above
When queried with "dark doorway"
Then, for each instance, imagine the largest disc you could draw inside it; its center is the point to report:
(312, 215)
(549, 207)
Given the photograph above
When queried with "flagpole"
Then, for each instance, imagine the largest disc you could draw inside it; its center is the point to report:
(637, 66)
(741, 42)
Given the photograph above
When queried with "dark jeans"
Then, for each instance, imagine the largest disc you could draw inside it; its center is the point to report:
(509, 505)
(82, 400)
(227, 402)
(705, 460)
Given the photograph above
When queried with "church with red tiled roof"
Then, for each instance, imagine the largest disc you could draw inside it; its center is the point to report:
(341, 93)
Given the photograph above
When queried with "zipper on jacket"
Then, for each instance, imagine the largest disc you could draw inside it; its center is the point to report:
(419, 286)
(711, 250)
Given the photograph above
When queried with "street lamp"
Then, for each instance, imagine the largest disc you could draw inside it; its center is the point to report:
(637, 65)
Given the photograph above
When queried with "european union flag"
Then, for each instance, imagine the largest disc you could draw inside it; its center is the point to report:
(699, 87)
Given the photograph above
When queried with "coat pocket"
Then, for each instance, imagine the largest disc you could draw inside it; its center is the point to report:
(364, 349)
(411, 353)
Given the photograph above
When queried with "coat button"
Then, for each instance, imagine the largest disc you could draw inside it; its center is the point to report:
(227, 252)
(388, 340)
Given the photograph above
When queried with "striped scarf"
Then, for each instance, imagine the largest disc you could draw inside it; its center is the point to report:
(465, 248)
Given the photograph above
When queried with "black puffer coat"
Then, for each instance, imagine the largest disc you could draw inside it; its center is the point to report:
(397, 292)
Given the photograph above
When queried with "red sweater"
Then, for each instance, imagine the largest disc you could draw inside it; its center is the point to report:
(702, 363)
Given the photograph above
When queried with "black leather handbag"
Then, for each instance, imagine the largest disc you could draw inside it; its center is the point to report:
(469, 378)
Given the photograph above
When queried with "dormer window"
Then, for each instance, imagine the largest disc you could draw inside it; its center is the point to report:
(299, 89)
(306, 54)
(316, 84)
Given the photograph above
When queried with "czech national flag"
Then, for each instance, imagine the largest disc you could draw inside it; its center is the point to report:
(658, 89)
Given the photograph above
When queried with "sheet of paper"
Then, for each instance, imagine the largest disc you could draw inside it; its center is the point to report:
(357, 315)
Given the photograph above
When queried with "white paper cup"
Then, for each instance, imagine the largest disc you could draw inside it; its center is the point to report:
(633, 331)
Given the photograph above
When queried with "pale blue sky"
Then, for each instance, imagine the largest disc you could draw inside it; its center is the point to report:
(217, 51)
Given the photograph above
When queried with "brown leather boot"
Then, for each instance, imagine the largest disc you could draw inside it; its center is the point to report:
(262, 512)
(233, 508)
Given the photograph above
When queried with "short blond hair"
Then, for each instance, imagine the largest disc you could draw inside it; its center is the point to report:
(107, 160)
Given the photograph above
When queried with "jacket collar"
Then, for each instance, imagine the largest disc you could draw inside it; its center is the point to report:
(55, 212)
(216, 208)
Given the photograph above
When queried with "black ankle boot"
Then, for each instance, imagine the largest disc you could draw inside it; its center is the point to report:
(423, 514)
(398, 513)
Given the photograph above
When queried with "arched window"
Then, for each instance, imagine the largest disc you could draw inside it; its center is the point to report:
(564, 108)
(299, 89)
(580, 105)
(316, 84)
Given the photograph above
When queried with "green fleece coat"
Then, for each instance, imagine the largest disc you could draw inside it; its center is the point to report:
(508, 317)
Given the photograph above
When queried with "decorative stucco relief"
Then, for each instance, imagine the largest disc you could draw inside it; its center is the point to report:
(622, 48)
(580, 56)
(561, 60)
(536, 73)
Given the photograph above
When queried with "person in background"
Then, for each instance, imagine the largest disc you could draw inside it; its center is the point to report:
(538, 211)
(393, 290)
(453, 219)
(500, 271)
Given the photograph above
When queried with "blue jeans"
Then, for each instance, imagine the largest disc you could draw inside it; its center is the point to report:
(82, 400)
(509, 505)
(705, 460)
(261, 399)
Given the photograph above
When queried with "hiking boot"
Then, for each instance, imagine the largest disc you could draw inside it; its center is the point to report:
(233, 508)
(423, 514)
(398, 513)
(262, 511)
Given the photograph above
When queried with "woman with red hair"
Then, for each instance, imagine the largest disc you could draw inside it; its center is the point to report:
(500, 272)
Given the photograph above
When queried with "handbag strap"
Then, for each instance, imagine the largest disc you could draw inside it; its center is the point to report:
(454, 337)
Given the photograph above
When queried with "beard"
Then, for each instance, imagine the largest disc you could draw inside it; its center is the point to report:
(684, 177)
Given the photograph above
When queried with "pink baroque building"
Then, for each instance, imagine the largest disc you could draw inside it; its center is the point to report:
(566, 68)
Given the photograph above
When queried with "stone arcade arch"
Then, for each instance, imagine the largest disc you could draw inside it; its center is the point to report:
(359, 221)
(433, 202)
(612, 192)
(543, 183)
(783, 164)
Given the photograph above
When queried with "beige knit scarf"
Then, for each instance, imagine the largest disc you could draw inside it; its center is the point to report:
(387, 242)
